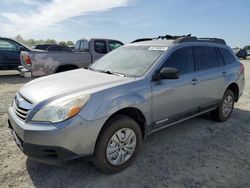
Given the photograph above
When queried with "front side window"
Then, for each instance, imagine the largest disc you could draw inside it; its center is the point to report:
(132, 61)
(114, 44)
(182, 59)
(227, 56)
(100, 46)
(207, 57)
(5, 45)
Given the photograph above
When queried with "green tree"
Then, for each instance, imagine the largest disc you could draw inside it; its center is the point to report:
(31, 42)
(70, 43)
(50, 41)
(62, 43)
(19, 38)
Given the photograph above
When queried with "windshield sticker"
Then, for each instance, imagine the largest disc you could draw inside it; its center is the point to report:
(158, 48)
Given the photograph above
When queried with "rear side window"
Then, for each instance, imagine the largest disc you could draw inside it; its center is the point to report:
(182, 59)
(100, 46)
(220, 58)
(77, 46)
(207, 57)
(227, 56)
(84, 47)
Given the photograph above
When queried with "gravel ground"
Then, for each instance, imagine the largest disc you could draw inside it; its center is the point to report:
(195, 153)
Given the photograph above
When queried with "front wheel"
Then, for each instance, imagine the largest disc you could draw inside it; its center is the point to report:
(226, 107)
(118, 144)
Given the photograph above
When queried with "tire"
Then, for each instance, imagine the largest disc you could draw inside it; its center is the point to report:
(108, 142)
(226, 106)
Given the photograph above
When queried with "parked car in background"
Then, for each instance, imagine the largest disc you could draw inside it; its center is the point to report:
(86, 51)
(53, 47)
(107, 110)
(240, 53)
(10, 53)
(247, 48)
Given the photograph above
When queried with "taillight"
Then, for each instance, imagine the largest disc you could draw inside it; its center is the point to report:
(27, 60)
(242, 68)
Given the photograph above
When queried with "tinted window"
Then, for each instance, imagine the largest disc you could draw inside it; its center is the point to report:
(5, 45)
(227, 56)
(114, 44)
(182, 59)
(220, 58)
(100, 46)
(207, 57)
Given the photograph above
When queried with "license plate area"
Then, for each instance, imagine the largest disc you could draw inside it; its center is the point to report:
(18, 141)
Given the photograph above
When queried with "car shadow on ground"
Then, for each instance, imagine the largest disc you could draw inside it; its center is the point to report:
(187, 154)
(14, 79)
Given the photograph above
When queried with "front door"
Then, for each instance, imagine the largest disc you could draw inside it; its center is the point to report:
(174, 98)
(9, 55)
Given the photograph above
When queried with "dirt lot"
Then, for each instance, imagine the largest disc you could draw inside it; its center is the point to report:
(196, 153)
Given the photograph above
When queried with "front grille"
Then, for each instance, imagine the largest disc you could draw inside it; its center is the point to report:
(21, 107)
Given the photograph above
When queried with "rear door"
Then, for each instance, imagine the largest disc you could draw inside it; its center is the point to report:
(9, 55)
(211, 75)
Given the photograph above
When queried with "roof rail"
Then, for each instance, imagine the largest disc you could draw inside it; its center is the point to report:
(183, 38)
(166, 37)
(194, 39)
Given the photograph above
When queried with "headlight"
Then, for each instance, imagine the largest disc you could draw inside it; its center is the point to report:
(61, 109)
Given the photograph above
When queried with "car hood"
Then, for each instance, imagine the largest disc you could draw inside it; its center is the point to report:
(70, 82)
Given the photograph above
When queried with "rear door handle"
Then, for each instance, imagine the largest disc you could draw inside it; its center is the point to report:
(194, 82)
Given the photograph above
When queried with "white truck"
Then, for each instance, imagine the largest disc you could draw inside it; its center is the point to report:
(40, 62)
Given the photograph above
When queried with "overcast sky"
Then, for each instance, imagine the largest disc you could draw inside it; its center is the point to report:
(126, 20)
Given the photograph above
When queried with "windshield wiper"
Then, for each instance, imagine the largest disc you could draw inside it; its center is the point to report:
(109, 72)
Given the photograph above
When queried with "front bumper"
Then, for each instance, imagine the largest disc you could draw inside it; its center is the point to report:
(46, 154)
(55, 142)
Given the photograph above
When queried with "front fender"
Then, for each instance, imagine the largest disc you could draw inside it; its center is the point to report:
(105, 107)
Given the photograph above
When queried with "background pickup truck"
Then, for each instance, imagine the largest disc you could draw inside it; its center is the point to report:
(40, 62)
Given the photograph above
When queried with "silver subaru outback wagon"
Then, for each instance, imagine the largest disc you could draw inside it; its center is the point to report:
(107, 111)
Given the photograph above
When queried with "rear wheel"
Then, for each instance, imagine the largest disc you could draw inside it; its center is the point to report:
(118, 144)
(226, 107)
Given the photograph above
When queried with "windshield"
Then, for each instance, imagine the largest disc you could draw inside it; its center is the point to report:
(128, 60)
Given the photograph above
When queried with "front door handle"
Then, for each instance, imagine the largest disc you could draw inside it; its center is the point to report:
(194, 82)
(223, 74)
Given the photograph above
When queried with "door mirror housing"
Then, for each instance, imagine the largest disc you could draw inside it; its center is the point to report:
(169, 73)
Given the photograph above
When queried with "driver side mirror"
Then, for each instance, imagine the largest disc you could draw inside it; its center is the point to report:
(169, 73)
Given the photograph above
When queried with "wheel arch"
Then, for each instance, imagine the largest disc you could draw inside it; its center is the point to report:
(235, 89)
(131, 112)
(65, 66)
